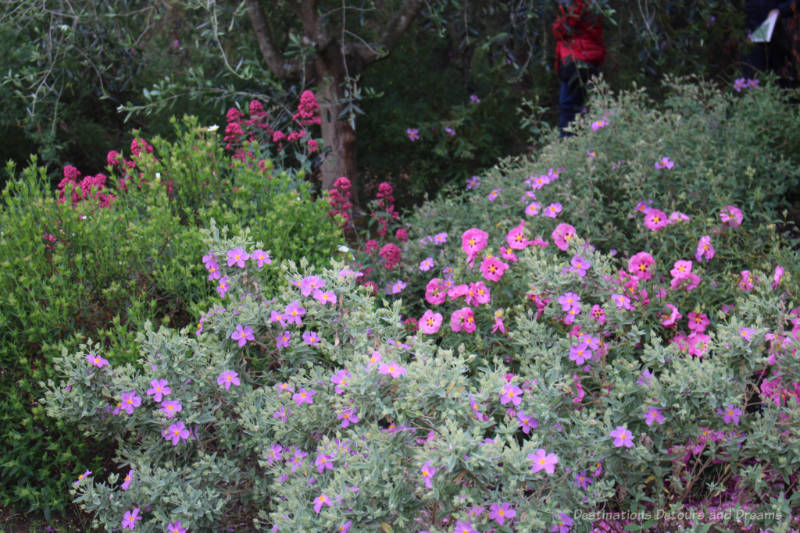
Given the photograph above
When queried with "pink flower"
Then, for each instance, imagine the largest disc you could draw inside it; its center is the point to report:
(128, 401)
(492, 268)
(228, 378)
(502, 511)
(478, 294)
(170, 407)
(176, 433)
(348, 416)
(563, 235)
(552, 210)
(511, 394)
(413, 134)
(698, 322)
(261, 258)
(670, 318)
(533, 209)
(341, 379)
(622, 437)
(498, 322)
(130, 517)
(391, 369)
(96, 360)
(655, 219)
(391, 255)
(622, 301)
(732, 414)
(746, 283)
(223, 286)
(319, 501)
(325, 297)
(430, 322)
(664, 162)
(732, 216)
(463, 319)
(777, 276)
(303, 396)
(516, 237)
(457, 291)
(543, 461)
(569, 300)
(598, 314)
(242, 334)
(428, 472)
(158, 389)
(704, 249)
(426, 264)
(653, 415)
(639, 265)
(747, 333)
(237, 257)
(435, 292)
(473, 241)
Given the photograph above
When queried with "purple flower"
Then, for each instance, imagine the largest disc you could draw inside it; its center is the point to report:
(392, 369)
(426, 264)
(580, 353)
(275, 453)
(747, 333)
(129, 400)
(170, 407)
(223, 286)
(511, 393)
(297, 460)
(228, 378)
(732, 414)
(275, 316)
(526, 422)
(176, 432)
(243, 334)
(294, 313)
(464, 527)
(311, 283)
(413, 134)
(303, 396)
(176, 527)
(129, 518)
(126, 483)
(543, 461)
(427, 472)
(341, 379)
(653, 415)
(473, 99)
(261, 258)
(96, 360)
(449, 131)
(283, 340)
(348, 416)
(582, 480)
(622, 437)
(311, 338)
(502, 511)
(158, 389)
(324, 462)
(473, 183)
(319, 501)
(569, 300)
(83, 476)
(552, 210)
(325, 297)
(563, 525)
(237, 257)
(440, 238)
(664, 162)
(344, 528)
(580, 265)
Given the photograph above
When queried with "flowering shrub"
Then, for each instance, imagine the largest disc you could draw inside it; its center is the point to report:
(118, 250)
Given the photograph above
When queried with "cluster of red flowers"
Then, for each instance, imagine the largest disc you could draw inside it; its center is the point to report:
(88, 187)
(339, 199)
(385, 198)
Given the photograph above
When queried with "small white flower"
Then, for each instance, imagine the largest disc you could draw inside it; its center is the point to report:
(212, 128)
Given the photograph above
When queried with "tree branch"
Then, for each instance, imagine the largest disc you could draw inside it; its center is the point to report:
(391, 33)
(272, 56)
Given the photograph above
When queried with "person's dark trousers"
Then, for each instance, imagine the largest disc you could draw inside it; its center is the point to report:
(573, 91)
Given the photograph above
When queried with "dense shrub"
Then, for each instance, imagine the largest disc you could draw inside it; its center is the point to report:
(522, 367)
(120, 250)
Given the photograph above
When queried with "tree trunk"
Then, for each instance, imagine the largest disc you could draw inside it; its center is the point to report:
(336, 133)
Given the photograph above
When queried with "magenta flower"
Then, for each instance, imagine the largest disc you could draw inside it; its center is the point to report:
(463, 319)
(440, 238)
(704, 249)
(129, 400)
(303, 396)
(511, 394)
(639, 265)
(499, 512)
(543, 461)
(582, 480)
(344, 528)
(653, 415)
(533, 209)
(492, 268)
(348, 416)
(237, 257)
(126, 483)
(392, 369)
(622, 437)
(129, 518)
(170, 407)
(176, 527)
(494, 194)
(622, 301)
(430, 322)
(478, 294)
(276, 316)
(698, 321)
(158, 389)
(176, 432)
(96, 360)
(283, 339)
(242, 334)
(426, 264)
(563, 235)
(275, 454)
(297, 460)
(516, 238)
(428, 471)
(324, 462)
(579, 265)
(598, 314)
(597, 124)
(294, 313)
(213, 271)
(413, 135)
(374, 359)
(731, 414)
(464, 527)
(569, 300)
(435, 291)
(777, 276)
(261, 258)
(311, 338)
(473, 241)
(228, 378)
(669, 319)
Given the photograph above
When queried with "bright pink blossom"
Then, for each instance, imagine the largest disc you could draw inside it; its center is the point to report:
(563, 235)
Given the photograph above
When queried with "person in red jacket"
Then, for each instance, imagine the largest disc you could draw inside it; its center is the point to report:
(579, 53)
